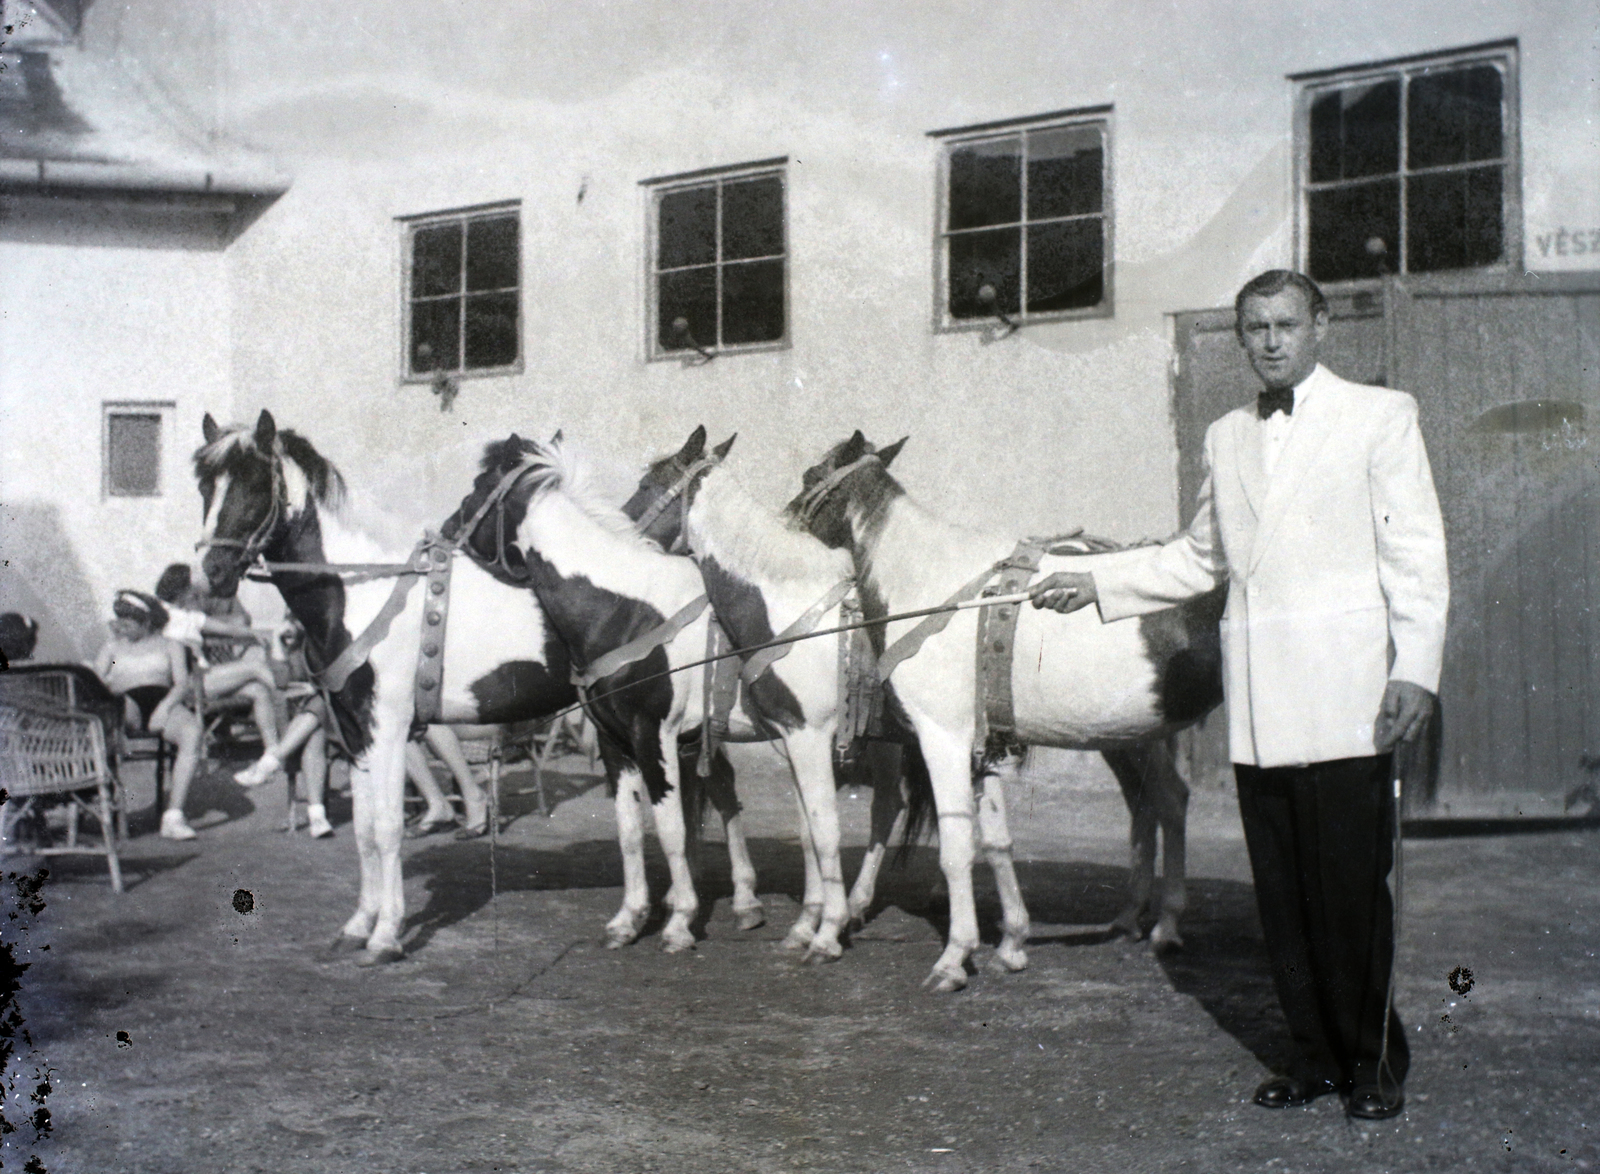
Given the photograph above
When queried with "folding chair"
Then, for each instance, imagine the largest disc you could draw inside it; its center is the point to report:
(52, 751)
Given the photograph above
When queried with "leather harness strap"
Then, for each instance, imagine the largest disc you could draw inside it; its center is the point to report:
(430, 656)
(760, 662)
(358, 650)
(637, 649)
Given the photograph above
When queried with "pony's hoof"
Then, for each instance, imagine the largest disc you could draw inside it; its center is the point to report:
(381, 957)
(1009, 961)
(618, 938)
(798, 938)
(820, 955)
(945, 982)
(1126, 926)
(747, 919)
(676, 943)
(1165, 940)
(346, 944)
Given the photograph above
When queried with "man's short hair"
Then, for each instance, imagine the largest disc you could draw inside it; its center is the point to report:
(18, 635)
(1274, 282)
(174, 583)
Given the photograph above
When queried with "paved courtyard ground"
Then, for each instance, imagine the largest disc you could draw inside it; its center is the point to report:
(181, 1034)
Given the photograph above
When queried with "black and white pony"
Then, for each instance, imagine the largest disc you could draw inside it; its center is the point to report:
(270, 494)
(762, 575)
(1121, 688)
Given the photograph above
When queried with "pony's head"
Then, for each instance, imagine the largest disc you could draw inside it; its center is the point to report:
(256, 485)
(849, 484)
(661, 503)
(491, 513)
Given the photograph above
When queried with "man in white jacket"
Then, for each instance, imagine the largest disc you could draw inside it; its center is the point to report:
(1318, 510)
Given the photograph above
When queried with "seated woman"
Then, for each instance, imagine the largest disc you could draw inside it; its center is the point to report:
(214, 639)
(307, 729)
(152, 673)
(306, 733)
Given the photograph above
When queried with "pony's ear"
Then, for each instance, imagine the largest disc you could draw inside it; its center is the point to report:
(852, 449)
(722, 449)
(209, 429)
(514, 442)
(889, 452)
(266, 431)
(555, 438)
(695, 445)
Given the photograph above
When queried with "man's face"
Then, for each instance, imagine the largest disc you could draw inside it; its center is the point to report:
(1281, 337)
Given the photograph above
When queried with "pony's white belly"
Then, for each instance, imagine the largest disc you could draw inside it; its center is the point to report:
(1077, 682)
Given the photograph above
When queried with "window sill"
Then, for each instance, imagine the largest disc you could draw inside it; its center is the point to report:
(970, 325)
(461, 376)
(694, 359)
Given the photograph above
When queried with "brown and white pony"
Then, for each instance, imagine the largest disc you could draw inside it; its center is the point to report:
(1121, 688)
(762, 575)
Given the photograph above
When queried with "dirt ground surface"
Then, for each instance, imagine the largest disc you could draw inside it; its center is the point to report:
(180, 1034)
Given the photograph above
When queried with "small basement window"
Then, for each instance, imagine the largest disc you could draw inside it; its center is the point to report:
(131, 441)
(1025, 219)
(719, 260)
(462, 292)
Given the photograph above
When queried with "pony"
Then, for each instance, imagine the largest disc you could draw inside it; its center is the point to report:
(763, 575)
(600, 584)
(269, 494)
(1122, 688)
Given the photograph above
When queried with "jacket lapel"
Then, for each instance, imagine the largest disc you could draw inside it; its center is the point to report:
(1314, 422)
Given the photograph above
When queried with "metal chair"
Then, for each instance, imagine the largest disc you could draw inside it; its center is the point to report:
(47, 750)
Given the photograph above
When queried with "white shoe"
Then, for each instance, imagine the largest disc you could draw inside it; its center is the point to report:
(318, 825)
(258, 771)
(174, 827)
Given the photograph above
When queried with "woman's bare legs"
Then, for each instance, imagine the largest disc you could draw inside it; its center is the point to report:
(181, 728)
(448, 747)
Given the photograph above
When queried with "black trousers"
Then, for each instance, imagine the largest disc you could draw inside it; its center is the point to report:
(1321, 841)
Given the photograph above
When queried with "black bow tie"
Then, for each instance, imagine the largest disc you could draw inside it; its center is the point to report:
(1275, 401)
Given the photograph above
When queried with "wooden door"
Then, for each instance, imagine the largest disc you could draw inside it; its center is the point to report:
(1506, 372)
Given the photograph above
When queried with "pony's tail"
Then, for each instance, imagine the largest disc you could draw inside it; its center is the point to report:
(920, 808)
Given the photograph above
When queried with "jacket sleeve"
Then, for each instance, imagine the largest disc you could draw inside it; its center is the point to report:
(1412, 568)
(1163, 576)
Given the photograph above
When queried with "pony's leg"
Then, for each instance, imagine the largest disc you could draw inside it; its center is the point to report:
(747, 911)
(889, 812)
(682, 904)
(949, 758)
(811, 758)
(1132, 766)
(1168, 794)
(996, 833)
(805, 926)
(356, 931)
(386, 762)
(629, 920)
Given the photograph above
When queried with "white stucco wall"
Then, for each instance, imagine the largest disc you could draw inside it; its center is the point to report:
(80, 326)
(384, 108)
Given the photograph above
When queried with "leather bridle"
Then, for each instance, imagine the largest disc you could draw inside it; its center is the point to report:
(811, 500)
(677, 489)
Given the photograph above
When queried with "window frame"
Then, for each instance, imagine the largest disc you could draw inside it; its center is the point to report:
(657, 187)
(1099, 116)
(409, 225)
(163, 410)
(1504, 54)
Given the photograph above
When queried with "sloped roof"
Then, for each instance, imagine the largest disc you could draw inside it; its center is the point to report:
(70, 118)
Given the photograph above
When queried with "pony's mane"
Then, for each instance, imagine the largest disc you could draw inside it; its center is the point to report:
(558, 468)
(323, 481)
(731, 526)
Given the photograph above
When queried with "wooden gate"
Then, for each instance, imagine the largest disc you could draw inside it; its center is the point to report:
(1507, 375)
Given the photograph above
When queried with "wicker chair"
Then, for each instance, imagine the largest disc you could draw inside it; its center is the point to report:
(49, 750)
(73, 688)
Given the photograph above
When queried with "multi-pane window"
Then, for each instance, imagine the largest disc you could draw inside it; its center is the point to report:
(463, 274)
(1026, 219)
(719, 260)
(1410, 167)
(131, 448)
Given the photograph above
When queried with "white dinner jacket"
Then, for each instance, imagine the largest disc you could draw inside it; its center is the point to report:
(1337, 581)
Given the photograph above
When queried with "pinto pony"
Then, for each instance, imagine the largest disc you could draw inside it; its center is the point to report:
(269, 494)
(1121, 688)
(762, 575)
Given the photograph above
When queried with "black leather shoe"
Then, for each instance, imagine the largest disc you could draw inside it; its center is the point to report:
(1368, 1102)
(1285, 1092)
